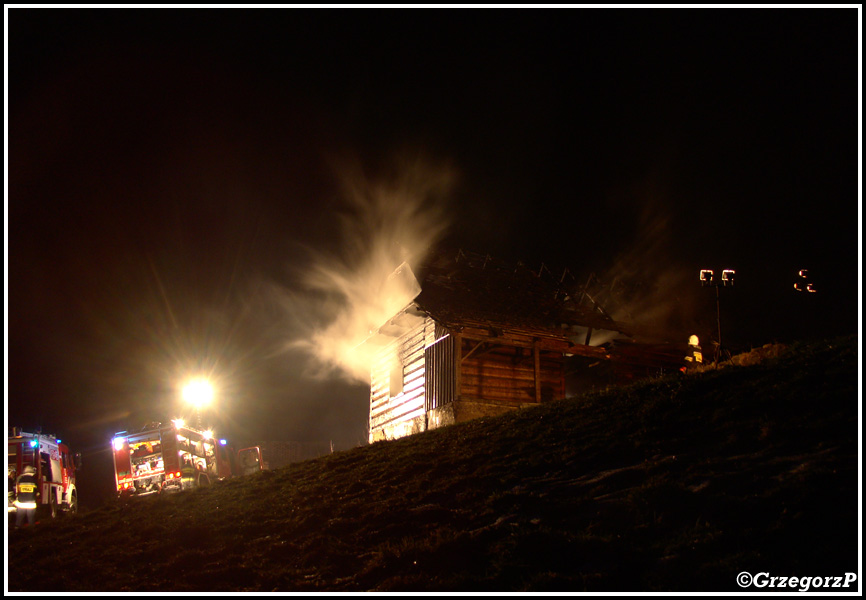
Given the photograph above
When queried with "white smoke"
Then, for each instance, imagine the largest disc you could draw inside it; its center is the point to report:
(388, 220)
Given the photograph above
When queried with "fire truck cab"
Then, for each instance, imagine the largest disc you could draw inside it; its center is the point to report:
(175, 457)
(55, 471)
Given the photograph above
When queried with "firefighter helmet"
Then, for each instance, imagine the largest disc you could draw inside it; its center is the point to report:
(29, 470)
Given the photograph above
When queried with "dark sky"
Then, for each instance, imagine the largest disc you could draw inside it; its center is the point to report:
(171, 171)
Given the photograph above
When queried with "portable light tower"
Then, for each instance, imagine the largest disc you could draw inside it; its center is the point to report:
(727, 280)
(199, 393)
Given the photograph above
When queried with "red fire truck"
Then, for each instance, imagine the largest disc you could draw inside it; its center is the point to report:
(55, 471)
(175, 457)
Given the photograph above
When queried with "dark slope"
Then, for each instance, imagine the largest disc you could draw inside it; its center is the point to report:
(676, 484)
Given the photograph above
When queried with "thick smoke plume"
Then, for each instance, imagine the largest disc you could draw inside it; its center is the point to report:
(388, 220)
(651, 282)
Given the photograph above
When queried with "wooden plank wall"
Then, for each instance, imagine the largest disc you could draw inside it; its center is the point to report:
(488, 370)
(396, 416)
(504, 374)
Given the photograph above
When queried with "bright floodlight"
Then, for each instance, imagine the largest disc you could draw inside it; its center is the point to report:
(198, 392)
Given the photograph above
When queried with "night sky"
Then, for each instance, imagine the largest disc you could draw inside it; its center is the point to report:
(174, 176)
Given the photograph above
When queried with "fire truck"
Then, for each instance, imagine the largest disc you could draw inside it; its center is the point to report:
(55, 471)
(175, 457)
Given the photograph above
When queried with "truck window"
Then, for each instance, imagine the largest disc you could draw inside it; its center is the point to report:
(46, 469)
(198, 448)
(46, 466)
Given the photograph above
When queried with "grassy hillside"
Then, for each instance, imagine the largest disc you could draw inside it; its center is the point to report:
(676, 484)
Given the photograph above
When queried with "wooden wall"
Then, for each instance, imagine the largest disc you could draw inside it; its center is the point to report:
(510, 368)
(403, 413)
(507, 374)
(493, 374)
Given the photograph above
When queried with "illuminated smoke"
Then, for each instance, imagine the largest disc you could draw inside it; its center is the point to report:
(389, 220)
(651, 282)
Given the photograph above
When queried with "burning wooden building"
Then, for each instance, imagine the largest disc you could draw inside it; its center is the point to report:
(481, 338)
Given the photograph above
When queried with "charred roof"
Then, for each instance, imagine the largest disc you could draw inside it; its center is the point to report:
(463, 287)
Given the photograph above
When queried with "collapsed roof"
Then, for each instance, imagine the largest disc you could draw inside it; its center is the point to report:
(465, 288)
(460, 288)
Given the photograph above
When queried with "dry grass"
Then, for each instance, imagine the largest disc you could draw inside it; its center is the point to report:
(675, 484)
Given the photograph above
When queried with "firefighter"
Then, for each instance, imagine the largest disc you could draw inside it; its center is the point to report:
(11, 476)
(694, 356)
(187, 471)
(25, 501)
